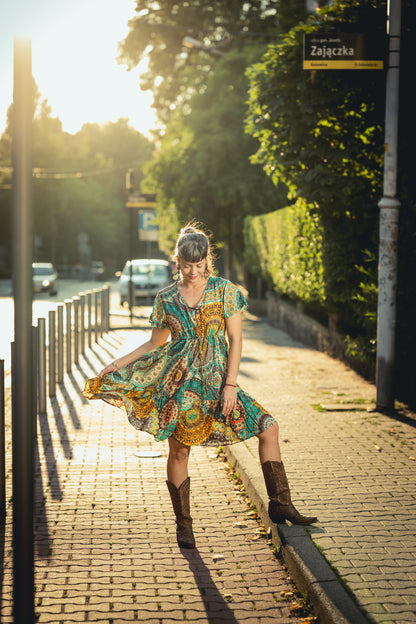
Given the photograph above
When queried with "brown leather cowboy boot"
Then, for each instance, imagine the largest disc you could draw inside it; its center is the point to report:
(280, 503)
(180, 502)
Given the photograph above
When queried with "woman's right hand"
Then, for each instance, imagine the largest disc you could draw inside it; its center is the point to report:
(110, 368)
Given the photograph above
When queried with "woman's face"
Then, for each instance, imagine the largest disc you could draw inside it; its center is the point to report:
(193, 272)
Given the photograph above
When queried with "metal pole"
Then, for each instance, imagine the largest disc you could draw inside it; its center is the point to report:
(22, 397)
(107, 308)
(75, 301)
(52, 352)
(68, 306)
(96, 314)
(103, 296)
(35, 344)
(89, 306)
(389, 224)
(131, 283)
(129, 189)
(60, 310)
(41, 365)
(82, 324)
(102, 311)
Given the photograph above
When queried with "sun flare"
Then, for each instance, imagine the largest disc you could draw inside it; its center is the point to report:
(74, 50)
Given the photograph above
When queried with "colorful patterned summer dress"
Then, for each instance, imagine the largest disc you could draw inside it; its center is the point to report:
(175, 389)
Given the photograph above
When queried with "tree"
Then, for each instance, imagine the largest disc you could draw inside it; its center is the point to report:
(321, 133)
(79, 188)
(158, 30)
(203, 167)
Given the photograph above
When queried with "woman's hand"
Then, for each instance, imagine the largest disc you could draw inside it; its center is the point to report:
(110, 368)
(157, 339)
(229, 399)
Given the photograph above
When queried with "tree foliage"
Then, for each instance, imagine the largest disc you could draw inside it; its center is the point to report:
(321, 133)
(78, 188)
(203, 166)
(175, 73)
(286, 248)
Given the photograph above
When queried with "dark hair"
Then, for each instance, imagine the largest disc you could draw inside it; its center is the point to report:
(193, 245)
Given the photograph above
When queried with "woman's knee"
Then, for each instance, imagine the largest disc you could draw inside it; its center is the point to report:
(177, 451)
(271, 433)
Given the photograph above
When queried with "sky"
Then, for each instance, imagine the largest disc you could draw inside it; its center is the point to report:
(74, 50)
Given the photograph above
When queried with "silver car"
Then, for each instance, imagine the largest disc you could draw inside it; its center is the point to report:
(148, 277)
(44, 277)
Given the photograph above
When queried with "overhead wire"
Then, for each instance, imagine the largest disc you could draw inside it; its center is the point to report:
(41, 173)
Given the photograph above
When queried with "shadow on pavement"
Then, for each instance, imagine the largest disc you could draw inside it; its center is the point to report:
(40, 520)
(49, 451)
(67, 394)
(216, 607)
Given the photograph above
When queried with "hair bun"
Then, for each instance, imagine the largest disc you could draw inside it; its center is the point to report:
(188, 230)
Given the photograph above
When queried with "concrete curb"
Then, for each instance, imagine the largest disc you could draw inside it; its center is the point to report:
(306, 565)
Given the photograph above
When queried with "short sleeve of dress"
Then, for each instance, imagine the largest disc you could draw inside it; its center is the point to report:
(234, 300)
(158, 316)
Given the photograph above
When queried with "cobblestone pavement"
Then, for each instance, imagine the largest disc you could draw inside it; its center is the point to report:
(104, 529)
(352, 467)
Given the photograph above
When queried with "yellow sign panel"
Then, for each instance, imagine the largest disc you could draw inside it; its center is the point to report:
(342, 64)
(140, 204)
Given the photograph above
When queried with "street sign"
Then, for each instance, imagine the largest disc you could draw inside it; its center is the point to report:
(342, 51)
(141, 200)
(148, 229)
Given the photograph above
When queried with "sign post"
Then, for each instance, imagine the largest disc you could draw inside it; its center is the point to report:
(23, 412)
(389, 226)
(146, 224)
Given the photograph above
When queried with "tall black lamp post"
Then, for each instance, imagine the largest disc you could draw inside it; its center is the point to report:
(23, 416)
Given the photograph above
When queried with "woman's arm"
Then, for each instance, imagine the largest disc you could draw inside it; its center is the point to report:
(234, 327)
(158, 337)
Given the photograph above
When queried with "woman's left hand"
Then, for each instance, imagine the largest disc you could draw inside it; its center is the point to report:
(229, 400)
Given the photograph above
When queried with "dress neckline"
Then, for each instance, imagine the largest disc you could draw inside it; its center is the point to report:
(198, 303)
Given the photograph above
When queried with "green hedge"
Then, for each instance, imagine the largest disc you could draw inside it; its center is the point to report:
(286, 248)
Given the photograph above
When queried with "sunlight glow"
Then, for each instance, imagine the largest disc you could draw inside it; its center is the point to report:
(74, 50)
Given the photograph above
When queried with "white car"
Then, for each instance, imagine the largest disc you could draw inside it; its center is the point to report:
(44, 277)
(148, 277)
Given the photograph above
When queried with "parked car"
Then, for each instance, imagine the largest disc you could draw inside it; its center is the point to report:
(45, 278)
(148, 277)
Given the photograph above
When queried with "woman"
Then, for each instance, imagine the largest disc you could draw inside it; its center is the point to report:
(186, 389)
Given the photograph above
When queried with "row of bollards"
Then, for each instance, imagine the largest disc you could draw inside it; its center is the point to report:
(57, 346)
(73, 326)
(57, 343)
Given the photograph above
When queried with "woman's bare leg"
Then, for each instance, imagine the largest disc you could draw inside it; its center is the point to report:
(269, 448)
(177, 467)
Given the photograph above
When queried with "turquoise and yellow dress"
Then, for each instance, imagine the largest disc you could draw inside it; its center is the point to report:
(175, 389)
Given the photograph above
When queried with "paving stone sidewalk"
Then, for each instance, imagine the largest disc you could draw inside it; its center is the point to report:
(105, 535)
(352, 467)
